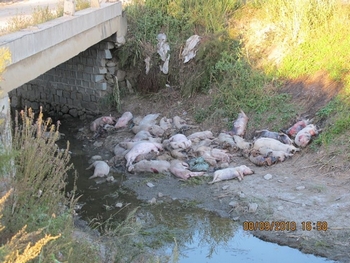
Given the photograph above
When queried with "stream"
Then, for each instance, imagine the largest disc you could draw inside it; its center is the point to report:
(196, 234)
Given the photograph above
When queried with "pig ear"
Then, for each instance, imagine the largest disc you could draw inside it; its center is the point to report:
(104, 118)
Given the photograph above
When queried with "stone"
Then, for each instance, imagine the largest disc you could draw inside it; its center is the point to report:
(108, 54)
(102, 70)
(121, 74)
(301, 187)
(152, 201)
(111, 70)
(96, 157)
(99, 78)
(280, 208)
(73, 113)
(233, 204)
(64, 109)
(225, 187)
(119, 205)
(111, 64)
(160, 194)
(128, 84)
(252, 207)
(150, 185)
(98, 144)
(268, 176)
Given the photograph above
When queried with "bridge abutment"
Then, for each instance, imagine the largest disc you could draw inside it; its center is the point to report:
(78, 87)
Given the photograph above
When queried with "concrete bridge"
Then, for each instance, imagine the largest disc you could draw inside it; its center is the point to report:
(48, 46)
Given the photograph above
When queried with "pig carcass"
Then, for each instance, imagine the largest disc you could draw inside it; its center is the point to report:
(165, 123)
(153, 166)
(156, 130)
(179, 141)
(262, 160)
(101, 169)
(100, 122)
(304, 136)
(197, 136)
(149, 119)
(225, 140)
(280, 136)
(241, 143)
(279, 155)
(274, 145)
(141, 147)
(240, 124)
(230, 173)
(180, 169)
(292, 131)
(124, 120)
(141, 136)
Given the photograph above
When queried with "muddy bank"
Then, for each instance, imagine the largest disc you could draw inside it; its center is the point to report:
(304, 188)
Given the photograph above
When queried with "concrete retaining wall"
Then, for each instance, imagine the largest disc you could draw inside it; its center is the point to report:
(81, 86)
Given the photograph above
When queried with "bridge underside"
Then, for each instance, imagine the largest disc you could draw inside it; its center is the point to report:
(36, 51)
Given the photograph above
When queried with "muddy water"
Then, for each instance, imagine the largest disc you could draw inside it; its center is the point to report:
(199, 235)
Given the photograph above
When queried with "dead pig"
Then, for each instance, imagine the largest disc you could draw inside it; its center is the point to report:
(240, 124)
(101, 169)
(100, 122)
(274, 145)
(304, 136)
(153, 166)
(230, 173)
(280, 136)
(142, 147)
(180, 169)
(292, 131)
(124, 120)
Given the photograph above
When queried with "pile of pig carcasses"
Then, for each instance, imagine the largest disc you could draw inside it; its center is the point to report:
(161, 146)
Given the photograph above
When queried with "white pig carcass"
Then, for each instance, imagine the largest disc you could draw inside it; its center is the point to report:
(274, 145)
(230, 173)
(101, 169)
(153, 166)
(142, 147)
(180, 169)
(124, 120)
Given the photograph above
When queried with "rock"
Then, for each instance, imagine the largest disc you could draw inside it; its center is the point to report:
(280, 208)
(150, 185)
(160, 194)
(119, 205)
(98, 144)
(152, 201)
(252, 207)
(73, 112)
(301, 187)
(225, 187)
(110, 178)
(268, 176)
(241, 195)
(233, 204)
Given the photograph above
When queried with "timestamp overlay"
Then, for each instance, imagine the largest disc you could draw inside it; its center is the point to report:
(285, 226)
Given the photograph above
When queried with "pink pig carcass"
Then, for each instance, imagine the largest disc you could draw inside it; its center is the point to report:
(100, 122)
(180, 169)
(240, 124)
(304, 136)
(230, 173)
(124, 120)
(139, 148)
